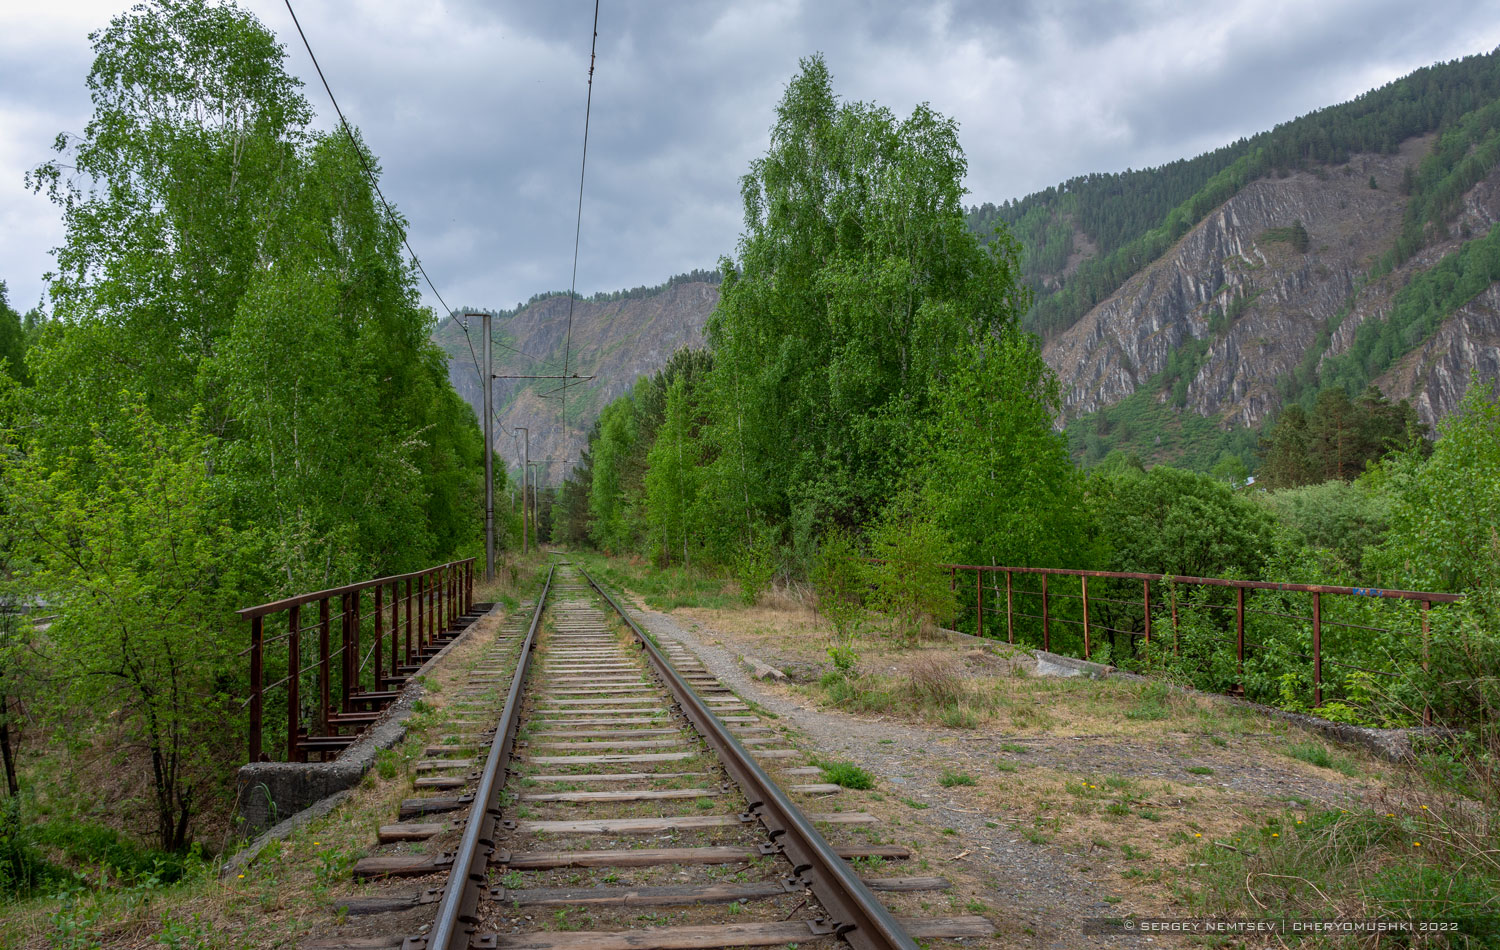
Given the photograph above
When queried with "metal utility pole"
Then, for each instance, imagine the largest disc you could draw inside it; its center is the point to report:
(489, 457)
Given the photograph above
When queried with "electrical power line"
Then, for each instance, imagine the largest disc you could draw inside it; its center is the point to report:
(370, 174)
(578, 223)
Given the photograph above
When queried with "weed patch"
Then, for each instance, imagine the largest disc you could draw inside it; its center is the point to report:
(1414, 862)
(1315, 753)
(847, 774)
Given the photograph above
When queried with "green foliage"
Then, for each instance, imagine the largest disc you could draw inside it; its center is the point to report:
(996, 476)
(236, 397)
(1144, 426)
(952, 779)
(127, 540)
(618, 471)
(672, 477)
(855, 302)
(1295, 235)
(847, 774)
(755, 565)
(1406, 862)
(838, 577)
(24, 870)
(12, 340)
(614, 477)
(233, 260)
(1168, 521)
(1337, 439)
(857, 287)
(907, 578)
(1343, 518)
(1445, 509)
(105, 853)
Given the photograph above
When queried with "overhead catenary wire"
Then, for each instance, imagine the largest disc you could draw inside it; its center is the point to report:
(375, 184)
(578, 222)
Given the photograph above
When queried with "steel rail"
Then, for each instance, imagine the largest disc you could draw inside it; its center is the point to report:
(856, 915)
(457, 916)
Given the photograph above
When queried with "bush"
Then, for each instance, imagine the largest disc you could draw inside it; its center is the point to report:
(23, 869)
(755, 566)
(909, 580)
(847, 774)
(1340, 517)
(838, 579)
(95, 846)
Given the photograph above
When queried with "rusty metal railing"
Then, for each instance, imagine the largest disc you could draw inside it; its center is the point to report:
(1046, 596)
(414, 611)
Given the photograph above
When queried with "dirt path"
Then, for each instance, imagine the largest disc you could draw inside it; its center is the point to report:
(1040, 889)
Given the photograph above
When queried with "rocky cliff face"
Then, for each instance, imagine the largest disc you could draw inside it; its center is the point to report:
(615, 341)
(1258, 303)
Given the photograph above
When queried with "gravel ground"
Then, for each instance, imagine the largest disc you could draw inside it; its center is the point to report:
(1040, 893)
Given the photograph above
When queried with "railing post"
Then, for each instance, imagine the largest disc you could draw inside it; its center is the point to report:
(1426, 706)
(1174, 620)
(395, 629)
(1084, 579)
(1239, 636)
(379, 633)
(1010, 629)
(325, 699)
(346, 688)
(1317, 645)
(469, 586)
(421, 613)
(978, 602)
(359, 686)
(408, 621)
(293, 682)
(257, 675)
(1146, 607)
(1046, 630)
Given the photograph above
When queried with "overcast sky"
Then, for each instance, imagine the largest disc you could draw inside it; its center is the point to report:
(475, 108)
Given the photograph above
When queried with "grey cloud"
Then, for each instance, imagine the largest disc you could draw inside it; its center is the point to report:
(476, 108)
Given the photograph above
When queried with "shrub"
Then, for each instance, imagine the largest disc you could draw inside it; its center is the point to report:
(847, 774)
(837, 577)
(23, 869)
(908, 577)
(935, 680)
(755, 566)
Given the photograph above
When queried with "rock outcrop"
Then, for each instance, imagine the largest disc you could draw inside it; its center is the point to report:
(1258, 304)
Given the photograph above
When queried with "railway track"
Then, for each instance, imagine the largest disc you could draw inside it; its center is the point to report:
(594, 792)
